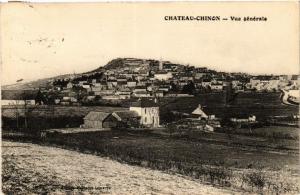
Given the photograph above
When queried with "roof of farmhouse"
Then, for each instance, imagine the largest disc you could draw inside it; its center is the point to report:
(96, 116)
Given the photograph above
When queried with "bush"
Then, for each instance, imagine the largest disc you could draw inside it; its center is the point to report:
(256, 180)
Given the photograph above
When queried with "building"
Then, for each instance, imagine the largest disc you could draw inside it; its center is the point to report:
(99, 120)
(69, 85)
(107, 120)
(127, 118)
(163, 75)
(140, 89)
(141, 94)
(250, 119)
(216, 87)
(131, 83)
(206, 82)
(21, 97)
(148, 110)
(200, 113)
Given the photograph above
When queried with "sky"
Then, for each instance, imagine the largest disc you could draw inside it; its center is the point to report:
(40, 40)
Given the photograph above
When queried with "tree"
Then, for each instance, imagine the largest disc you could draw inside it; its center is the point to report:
(174, 87)
(19, 104)
(171, 127)
(189, 88)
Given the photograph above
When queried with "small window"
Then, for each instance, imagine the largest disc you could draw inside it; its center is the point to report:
(145, 119)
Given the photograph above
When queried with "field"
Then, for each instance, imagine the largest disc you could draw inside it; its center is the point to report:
(34, 169)
(262, 105)
(271, 132)
(237, 162)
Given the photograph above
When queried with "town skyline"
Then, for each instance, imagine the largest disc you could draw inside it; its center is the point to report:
(23, 80)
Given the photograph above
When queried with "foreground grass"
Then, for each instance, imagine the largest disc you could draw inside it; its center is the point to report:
(251, 164)
(33, 169)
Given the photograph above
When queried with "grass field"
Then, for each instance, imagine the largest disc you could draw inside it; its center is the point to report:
(33, 169)
(250, 164)
(262, 105)
(271, 132)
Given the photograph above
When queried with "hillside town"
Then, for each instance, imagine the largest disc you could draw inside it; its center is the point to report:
(126, 78)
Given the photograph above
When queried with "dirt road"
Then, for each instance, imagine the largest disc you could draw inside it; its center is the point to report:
(30, 168)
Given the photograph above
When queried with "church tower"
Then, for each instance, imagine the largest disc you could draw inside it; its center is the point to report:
(160, 64)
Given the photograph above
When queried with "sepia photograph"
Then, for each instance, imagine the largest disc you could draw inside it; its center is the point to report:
(150, 97)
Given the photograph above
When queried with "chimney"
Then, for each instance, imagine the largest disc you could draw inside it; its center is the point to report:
(199, 106)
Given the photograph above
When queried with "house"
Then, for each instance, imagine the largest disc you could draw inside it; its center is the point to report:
(127, 118)
(216, 87)
(96, 89)
(131, 83)
(199, 75)
(68, 99)
(148, 110)
(80, 83)
(122, 85)
(90, 97)
(142, 82)
(140, 89)
(200, 113)
(112, 83)
(159, 93)
(111, 97)
(86, 86)
(99, 120)
(182, 83)
(141, 94)
(105, 92)
(165, 88)
(64, 103)
(21, 97)
(69, 85)
(163, 75)
(121, 79)
(56, 101)
(206, 82)
(250, 119)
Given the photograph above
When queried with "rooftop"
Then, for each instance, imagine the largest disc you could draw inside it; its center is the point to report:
(96, 116)
(144, 103)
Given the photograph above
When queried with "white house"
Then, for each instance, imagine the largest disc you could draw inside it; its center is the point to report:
(148, 110)
(199, 112)
(216, 87)
(69, 85)
(131, 83)
(163, 75)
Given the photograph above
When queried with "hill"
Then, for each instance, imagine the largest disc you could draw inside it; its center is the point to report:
(127, 63)
(40, 83)
(118, 63)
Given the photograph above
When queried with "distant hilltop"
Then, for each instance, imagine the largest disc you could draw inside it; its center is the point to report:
(130, 64)
(142, 69)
